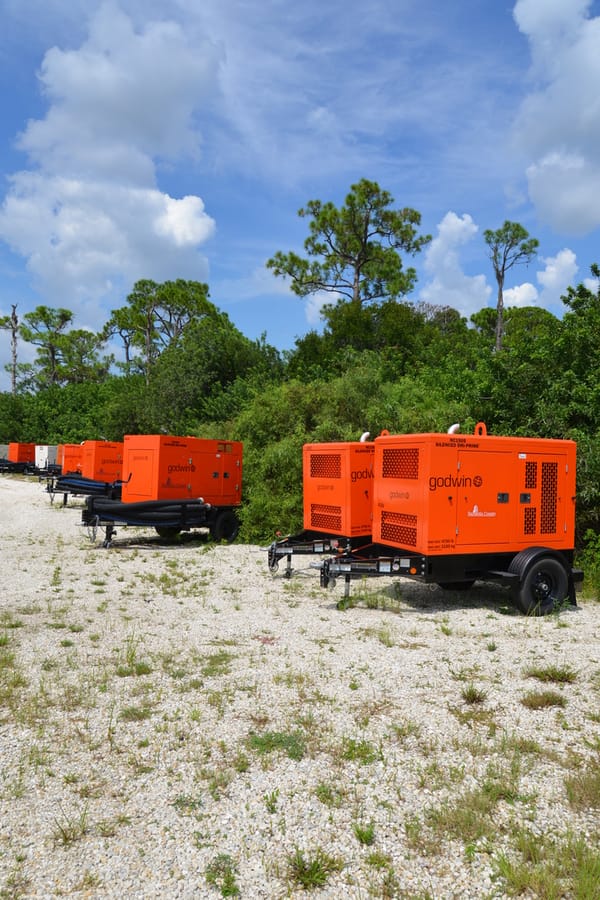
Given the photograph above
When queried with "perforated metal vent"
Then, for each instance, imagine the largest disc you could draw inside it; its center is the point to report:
(531, 475)
(325, 465)
(399, 529)
(529, 520)
(325, 518)
(549, 498)
(400, 463)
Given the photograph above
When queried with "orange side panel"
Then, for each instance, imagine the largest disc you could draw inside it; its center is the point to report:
(163, 467)
(71, 458)
(102, 460)
(22, 453)
(438, 494)
(338, 488)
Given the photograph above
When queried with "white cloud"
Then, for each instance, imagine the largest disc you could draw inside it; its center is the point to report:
(122, 88)
(549, 19)
(563, 188)
(558, 273)
(87, 214)
(558, 124)
(449, 285)
(84, 239)
(184, 221)
(521, 295)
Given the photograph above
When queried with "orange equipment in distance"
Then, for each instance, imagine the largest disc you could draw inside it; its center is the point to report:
(21, 453)
(164, 467)
(69, 458)
(102, 460)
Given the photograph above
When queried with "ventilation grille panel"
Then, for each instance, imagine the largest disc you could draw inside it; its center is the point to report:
(325, 518)
(549, 498)
(325, 465)
(530, 475)
(529, 520)
(399, 529)
(401, 463)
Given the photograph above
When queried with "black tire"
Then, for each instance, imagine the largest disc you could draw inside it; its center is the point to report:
(456, 585)
(225, 526)
(543, 585)
(167, 534)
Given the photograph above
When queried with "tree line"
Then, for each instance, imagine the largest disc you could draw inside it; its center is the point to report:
(379, 362)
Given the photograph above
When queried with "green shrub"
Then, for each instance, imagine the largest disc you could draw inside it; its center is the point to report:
(589, 560)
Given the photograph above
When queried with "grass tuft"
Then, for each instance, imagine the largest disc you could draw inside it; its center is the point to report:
(543, 699)
(313, 871)
(473, 695)
(551, 674)
(292, 744)
(220, 873)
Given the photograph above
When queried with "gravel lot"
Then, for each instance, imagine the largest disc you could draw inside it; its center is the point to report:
(176, 722)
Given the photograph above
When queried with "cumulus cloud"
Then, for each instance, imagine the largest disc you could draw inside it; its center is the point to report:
(87, 214)
(558, 273)
(558, 123)
(521, 295)
(449, 285)
(184, 221)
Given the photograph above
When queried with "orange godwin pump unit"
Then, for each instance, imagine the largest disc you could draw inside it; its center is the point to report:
(70, 458)
(102, 460)
(338, 488)
(21, 453)
(338, 501)
(163, 467)
(454, 509)
(438, 494)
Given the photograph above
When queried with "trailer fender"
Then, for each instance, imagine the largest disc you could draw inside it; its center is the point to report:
(545, 581)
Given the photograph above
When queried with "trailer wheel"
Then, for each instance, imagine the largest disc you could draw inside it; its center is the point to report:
(543, 584)
(225, 526)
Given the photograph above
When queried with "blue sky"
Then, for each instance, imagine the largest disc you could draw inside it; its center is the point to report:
(172, 139)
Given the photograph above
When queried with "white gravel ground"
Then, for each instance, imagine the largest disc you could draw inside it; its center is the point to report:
(175, 722)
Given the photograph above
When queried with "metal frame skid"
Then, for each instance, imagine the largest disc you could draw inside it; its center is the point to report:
(307, 543)
(349, 565)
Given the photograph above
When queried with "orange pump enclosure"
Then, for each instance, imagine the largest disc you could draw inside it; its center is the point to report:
(452, 494)
(162, 467)
(102, 460)
(69, 457)
(21, 453)
(338, 487)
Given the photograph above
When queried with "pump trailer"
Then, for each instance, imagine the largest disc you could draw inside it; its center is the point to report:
(452, 509)
(173, 484)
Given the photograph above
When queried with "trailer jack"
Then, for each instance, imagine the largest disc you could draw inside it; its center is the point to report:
(310, 543)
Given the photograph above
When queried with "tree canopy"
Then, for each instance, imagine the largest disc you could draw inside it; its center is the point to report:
(508, 246)
(354, 251)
